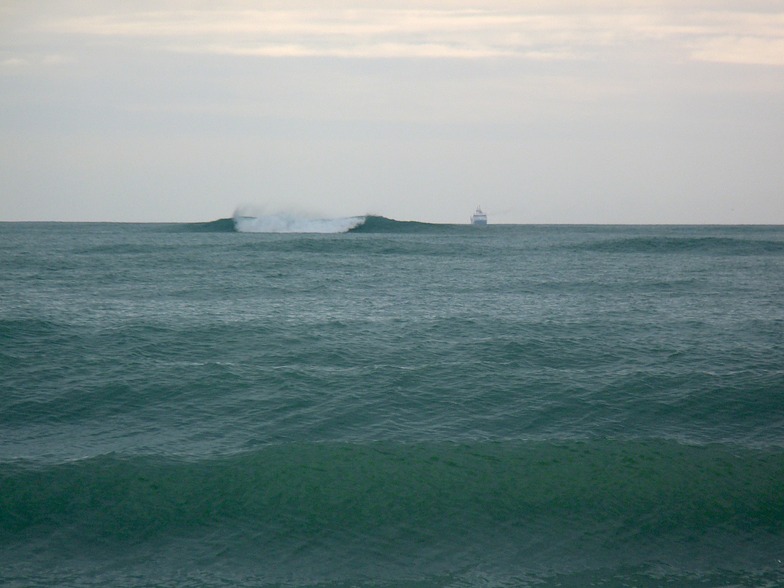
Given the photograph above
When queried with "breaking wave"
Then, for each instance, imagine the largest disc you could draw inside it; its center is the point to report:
(288, 223)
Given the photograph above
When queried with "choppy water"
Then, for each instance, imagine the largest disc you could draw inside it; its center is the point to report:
(399, 405)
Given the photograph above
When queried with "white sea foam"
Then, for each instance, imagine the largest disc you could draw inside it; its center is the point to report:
(291, 223)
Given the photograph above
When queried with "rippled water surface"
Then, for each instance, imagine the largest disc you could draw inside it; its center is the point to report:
(401, 404)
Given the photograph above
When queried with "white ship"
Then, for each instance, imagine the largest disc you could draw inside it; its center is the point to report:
(479, 218)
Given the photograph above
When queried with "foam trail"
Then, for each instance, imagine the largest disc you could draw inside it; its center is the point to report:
(288, 223)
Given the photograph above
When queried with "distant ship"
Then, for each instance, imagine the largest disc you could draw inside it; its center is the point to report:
(479, 218)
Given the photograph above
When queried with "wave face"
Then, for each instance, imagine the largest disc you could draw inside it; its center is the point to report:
(222, 225)
(398, 512)
(380, 224)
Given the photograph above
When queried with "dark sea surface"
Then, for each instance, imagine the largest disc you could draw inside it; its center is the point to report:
(401, 404)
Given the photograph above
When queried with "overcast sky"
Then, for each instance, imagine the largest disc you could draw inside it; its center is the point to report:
(541, 111)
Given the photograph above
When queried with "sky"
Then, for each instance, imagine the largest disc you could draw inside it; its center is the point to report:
(558, 111)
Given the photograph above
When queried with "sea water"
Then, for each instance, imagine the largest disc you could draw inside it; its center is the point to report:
(401, 404)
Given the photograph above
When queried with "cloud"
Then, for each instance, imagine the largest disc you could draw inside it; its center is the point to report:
(14, 62)
(742, 50)
(528, 31)
(739, 38)
(380, 33)
(56, 59)
(35, 60)
(367, 51)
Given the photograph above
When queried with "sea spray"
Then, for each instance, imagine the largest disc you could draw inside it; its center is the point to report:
(293, 224)
(260, 220)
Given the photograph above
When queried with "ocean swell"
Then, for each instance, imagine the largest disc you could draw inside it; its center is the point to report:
(614, 491)
(689, 245)
(334, 514)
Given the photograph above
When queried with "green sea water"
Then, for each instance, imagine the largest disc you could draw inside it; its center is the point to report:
(379, 403)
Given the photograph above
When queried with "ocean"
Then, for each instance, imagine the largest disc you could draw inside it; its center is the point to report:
(367, 402)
